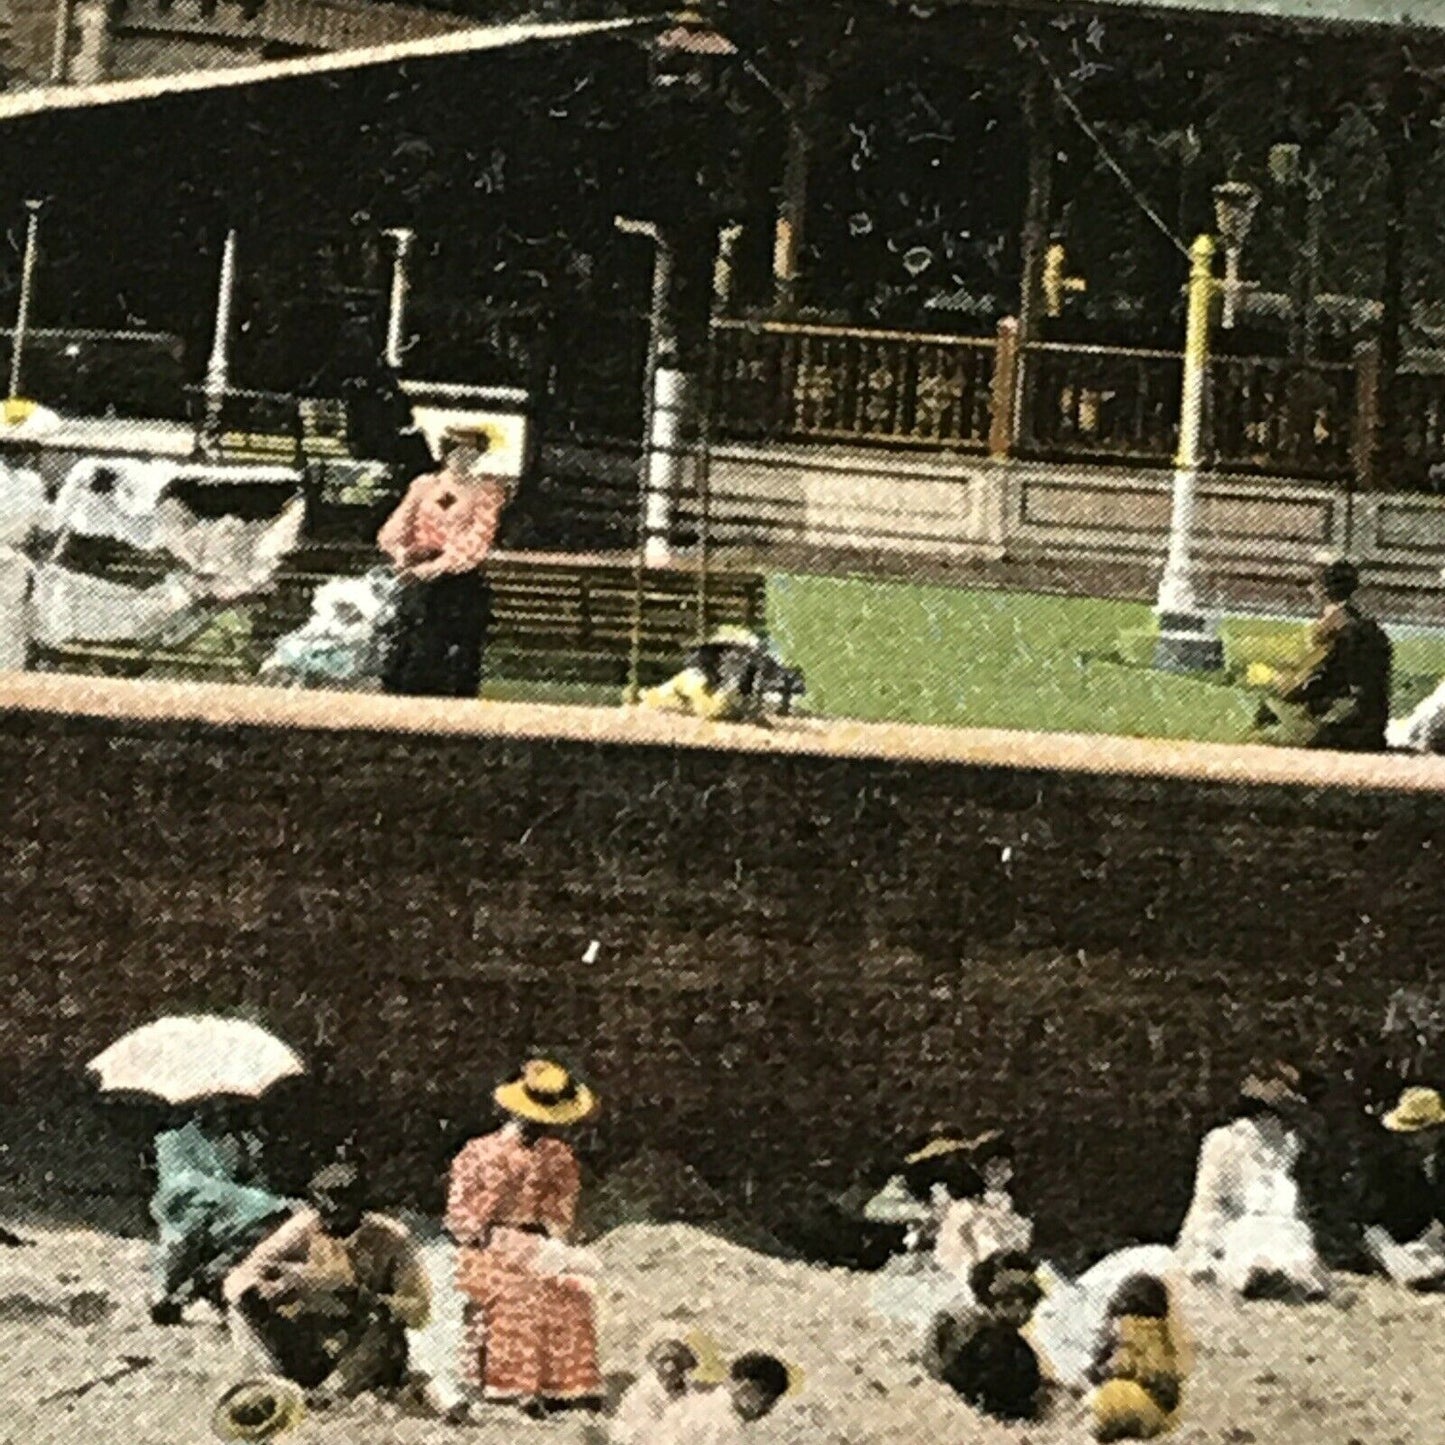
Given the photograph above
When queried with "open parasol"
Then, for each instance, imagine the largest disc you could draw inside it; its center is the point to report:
(201, 1056)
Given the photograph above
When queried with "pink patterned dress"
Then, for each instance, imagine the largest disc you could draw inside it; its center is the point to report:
(530, 1334)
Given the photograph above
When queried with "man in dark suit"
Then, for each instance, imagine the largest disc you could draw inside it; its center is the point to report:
(1340, 698)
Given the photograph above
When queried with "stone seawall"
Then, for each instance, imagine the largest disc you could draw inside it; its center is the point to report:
(804, 954)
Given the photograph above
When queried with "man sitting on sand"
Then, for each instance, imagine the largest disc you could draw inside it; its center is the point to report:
(721, 1416)
(1404, 1207)
(328, 1298)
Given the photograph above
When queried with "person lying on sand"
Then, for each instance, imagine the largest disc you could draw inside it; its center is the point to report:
(1138, 1375)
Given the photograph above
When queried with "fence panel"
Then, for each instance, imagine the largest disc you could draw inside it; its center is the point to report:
(1272, 414)
(1091, 402)
(779, 382)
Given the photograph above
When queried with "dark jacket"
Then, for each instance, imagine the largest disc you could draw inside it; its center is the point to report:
(1344, 687)
(1399, 1195)
(988, 1364)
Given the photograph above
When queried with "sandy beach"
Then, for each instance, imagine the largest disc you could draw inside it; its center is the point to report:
(1359, 1370)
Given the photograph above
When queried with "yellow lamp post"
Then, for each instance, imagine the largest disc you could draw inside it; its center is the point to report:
(1188, 641)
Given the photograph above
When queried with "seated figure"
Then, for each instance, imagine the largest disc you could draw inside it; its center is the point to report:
(327, 1300)
(1138, 1375)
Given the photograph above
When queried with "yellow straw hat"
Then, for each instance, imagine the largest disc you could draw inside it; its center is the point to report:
(258, 1409)
(713, 1367)
(944, 1144)
(1418, 1109)
(545, 1093)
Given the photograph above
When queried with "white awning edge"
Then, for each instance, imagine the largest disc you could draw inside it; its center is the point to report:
(49, 98)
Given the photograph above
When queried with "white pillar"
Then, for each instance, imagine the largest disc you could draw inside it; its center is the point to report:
(400, 285)
(218, 369)
(664, 461)
(27, 291)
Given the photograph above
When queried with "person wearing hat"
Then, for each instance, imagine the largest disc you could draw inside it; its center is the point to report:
(1245, 1228)
(726, 1413)
(1340, 697)
(511, 1204)
(1404, 1210)
(665, 1379)
(327, 1300)
(438, 540)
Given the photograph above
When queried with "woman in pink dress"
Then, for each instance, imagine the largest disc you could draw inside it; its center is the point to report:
(531, 1331)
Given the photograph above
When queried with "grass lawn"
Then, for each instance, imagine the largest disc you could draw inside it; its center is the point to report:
(897, 652)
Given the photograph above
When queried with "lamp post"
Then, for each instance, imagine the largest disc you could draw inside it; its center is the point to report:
(659, 434)
(401, 240)
(218, 368)
(1235, 203)
(1187, 642)
(27, 291)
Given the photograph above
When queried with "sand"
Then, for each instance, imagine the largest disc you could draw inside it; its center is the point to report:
(1363, 1368)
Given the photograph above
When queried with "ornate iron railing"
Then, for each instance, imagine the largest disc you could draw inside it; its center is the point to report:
(780, 382)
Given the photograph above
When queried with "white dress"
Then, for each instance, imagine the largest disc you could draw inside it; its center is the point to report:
(1244, 1224)
(23, 511)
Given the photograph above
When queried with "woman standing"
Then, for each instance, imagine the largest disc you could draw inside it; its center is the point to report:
(438, 539)
(531, 1333)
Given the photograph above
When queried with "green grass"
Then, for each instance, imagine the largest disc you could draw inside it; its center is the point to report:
(940, 655)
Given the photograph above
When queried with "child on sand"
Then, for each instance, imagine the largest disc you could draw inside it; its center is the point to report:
(981, 1353)
(1138, 1375)
(663, 1382)
(722, 1416)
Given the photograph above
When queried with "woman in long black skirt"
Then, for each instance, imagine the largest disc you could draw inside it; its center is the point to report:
(438, 539)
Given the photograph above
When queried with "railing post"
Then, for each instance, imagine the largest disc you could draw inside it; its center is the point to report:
(1003, 397)
(1367, 413)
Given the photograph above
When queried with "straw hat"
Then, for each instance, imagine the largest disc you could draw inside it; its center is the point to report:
(944, 1144)
(714, 1369)
(479, 436)
(1418, 1109)
(1273, 1085)
(545, 1093)
(258, 1409)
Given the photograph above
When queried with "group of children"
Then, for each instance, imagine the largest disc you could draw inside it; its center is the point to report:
(985, 1356)
(672, 1403)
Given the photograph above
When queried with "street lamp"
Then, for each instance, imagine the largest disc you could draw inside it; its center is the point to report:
(1235, 203)
(662, 393)
(1187, 642)
(401, 240)
(27, 290)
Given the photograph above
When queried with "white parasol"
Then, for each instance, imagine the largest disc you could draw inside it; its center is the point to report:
(183, 1059)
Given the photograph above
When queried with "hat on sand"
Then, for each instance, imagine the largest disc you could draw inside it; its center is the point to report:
(713, 1368)
(1418, 1109)
(545, 1093)
(1125, 1410)
(258, 1409)
(1272, 1085)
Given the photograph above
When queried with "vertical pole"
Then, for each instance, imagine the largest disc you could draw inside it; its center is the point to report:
(1034, 241)
(722, 287)
(1367, 406)
(218, 368)
(400, 284)
(1002, 422)
(1392, 300)
(793, 202)
(27, 291)
(1231, 287)
(658, 337)
(1186, 642)
(60, 50)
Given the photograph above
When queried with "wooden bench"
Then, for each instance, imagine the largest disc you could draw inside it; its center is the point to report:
(554, 616)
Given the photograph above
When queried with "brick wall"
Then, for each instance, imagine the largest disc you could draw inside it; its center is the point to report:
(801, 957)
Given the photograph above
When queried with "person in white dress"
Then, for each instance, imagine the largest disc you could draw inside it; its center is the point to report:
(726, 1415)
(1245, 1229)
(24, 512)
(663, 1382)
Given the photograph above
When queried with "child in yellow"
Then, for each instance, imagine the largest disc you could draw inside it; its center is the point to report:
(1139, 1373)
